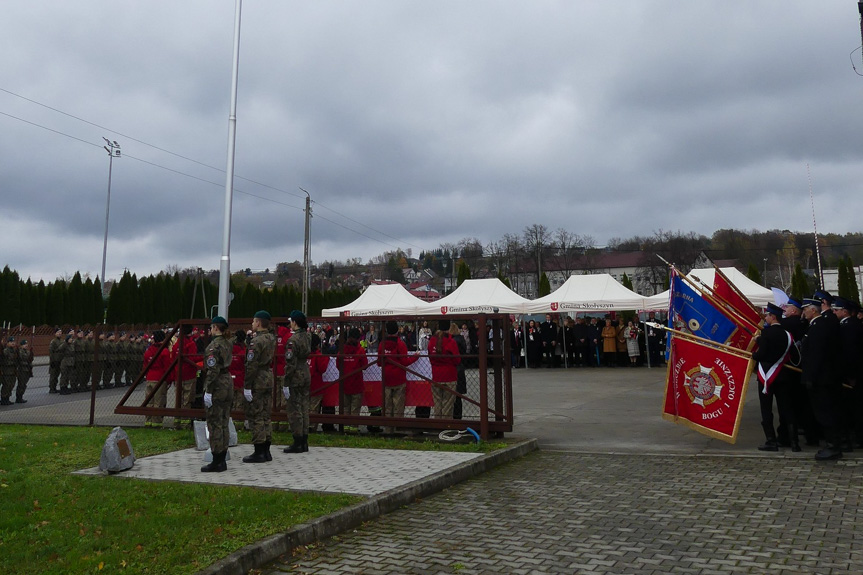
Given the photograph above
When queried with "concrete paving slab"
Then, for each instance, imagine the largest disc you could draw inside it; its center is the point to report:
(363, 472)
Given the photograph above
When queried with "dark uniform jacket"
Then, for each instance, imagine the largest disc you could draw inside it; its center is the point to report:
(772, 344)
(819, 352)
(297, 350)
(850, 357)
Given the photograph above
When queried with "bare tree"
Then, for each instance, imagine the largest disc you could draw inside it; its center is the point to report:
(536, 239)
(567, 251)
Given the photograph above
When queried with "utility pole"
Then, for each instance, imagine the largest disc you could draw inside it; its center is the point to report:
(307, 248)
(113, 149)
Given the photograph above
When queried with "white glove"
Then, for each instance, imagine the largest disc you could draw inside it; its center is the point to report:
(287, 391)
(208, 399)
(248, 394)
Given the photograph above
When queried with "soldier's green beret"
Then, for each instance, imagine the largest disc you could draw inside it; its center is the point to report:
(297, 315)
(263, 315)
(219, 320)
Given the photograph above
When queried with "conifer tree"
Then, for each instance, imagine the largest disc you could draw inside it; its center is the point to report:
(544, 285)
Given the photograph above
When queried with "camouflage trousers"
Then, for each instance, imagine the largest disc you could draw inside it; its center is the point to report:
(66, 374)
(188, 391)
(8, 384)
(219, 414)
(23, 380)
(298, 410)
(53, 375)
(280, 403)
(258, 413)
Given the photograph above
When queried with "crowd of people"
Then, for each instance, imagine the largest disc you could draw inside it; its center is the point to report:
(587, 342)
(810, 361)
(292, 358)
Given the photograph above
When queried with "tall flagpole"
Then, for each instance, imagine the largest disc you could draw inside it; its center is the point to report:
(815, 228)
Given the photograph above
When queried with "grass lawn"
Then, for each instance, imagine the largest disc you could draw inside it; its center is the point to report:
(52, 522)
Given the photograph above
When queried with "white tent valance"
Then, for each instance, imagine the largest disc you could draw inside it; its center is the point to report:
(477, 296)
(597, 292)
(379, 299)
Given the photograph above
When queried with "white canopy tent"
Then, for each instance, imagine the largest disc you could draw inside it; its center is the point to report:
(596, 292)
(379, 299)
(477, 296)
(760, 296)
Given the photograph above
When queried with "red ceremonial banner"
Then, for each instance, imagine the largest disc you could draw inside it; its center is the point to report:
(726, 292)
(706, 388)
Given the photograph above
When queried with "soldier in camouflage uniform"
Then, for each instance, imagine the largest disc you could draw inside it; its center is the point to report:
(258, 387)
(54, 357)
(139, 346)
(88, 350)
(218, 393)
(67, 363)
(297, 382)
(108, 360)
(8, 371)
(124, 360)
(119, 358)
(25, 370)
(79, 379)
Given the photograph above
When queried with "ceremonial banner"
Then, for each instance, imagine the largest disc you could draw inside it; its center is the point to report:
(699, 316)
(706, 388)
(725, 291)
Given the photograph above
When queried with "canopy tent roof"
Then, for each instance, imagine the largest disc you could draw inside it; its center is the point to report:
(596, 292)
(760, 296)
(379, 299)
(477, 296)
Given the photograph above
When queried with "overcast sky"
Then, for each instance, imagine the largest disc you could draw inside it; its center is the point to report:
(414, 123)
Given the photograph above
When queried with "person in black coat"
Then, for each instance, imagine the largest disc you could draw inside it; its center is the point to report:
(533, 344)
(548, 337)
(594, 342)
(850, 371)
(580, 342)
(516, 343)
(820, 378)
(794, 324)
(774, 345)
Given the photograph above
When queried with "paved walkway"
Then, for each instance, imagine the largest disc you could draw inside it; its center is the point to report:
(613, 489)
(561, 513)
(323, 469)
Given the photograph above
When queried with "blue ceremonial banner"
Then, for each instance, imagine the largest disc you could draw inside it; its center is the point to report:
(689, 311)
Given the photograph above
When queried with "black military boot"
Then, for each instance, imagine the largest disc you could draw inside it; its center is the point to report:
(305, 444)
(296, 446)
(771, 444)
(20, 399)
(267, 455)
(218, 464)
(258, 456)
(794, 439)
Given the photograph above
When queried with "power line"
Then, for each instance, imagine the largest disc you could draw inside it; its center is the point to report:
(132, 138)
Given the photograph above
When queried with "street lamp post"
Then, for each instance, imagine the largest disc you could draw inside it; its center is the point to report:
(765, 272)
(113, 149)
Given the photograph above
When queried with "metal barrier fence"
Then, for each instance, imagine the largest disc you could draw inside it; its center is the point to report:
(108, 386)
